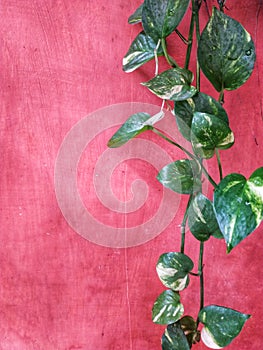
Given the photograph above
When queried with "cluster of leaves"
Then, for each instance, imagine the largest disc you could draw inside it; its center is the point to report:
(226, 55)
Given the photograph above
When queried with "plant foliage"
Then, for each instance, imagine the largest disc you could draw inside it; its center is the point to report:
(226, 55)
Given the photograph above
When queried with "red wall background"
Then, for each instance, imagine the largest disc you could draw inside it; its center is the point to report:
(61, 60)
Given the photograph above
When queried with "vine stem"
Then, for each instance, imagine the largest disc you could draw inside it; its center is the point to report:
(197, 29)
(190, 41)
(210, 179)
(184, 224)
(201, 274)
(219, 164)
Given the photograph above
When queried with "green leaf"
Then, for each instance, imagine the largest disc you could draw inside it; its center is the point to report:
(189, 327)
(136, 124)
(226, 52)
(160, 18)
(222, 325)
(238, 205)
(136, 17)
(200, 102)
(181, 176)
(167, 308)
(201, 219)
(174, 338)
(172, 84)
(209, 132)
(140, 52)
(173, 268)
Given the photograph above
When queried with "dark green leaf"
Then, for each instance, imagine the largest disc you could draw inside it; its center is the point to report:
(181, 176)
(140, 52)
(136, 17)
(160, 18)
(172, 84)
(174, 338)
(173, 268)
(136, 124)
(238, 205)
(209, 132)
(226, 52)
(222, 325)
(188, 326)
(201, 219)
(167, 308)
(200, 102)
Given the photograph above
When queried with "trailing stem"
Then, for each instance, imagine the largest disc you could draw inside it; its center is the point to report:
(184, 224)
(190, 41)
(197, 30)
(201, 274)
(219, 164)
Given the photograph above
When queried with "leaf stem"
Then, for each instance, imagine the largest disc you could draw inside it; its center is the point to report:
(221, 96)
(184, 40)
(219, 164)
(210, 179)
(201, 274)
(156, 131)
(156, 57)
(169, 59)
(184, 224)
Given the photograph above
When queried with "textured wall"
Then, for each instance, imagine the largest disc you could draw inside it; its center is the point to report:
(61, 60)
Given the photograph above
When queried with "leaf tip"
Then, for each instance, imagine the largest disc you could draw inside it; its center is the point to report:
(229, 248)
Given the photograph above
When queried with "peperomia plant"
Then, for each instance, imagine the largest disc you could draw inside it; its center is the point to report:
(226, 56)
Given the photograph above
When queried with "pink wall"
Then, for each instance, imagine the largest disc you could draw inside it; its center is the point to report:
(60, 61)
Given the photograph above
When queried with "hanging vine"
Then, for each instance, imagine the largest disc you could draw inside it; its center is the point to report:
(226, 56)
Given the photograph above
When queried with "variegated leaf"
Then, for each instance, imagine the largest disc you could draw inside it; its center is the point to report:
(173, 268)
(160, 18)
(181, 176)
(174, 338)
(238, 205)
(140, 52)
(136, 17)
(209, 132)
(134, 125)
(172, 84)
(200, 102)
(202, 220)
(221, 325)
(167, 308)
(226, 52)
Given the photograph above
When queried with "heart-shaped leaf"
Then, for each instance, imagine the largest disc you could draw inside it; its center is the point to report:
(222, 325)
(140, 52)
(209, 132)
(173, 268)
(134, 125)
(174, 338)
(181, 176)
(172, 84)
(200, 102)
(160, 18)
(226, 52)
(238, 205)
(201, 219)
(167, 308)
(136, 17)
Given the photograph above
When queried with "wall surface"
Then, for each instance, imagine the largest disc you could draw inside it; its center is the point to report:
(61, 60)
